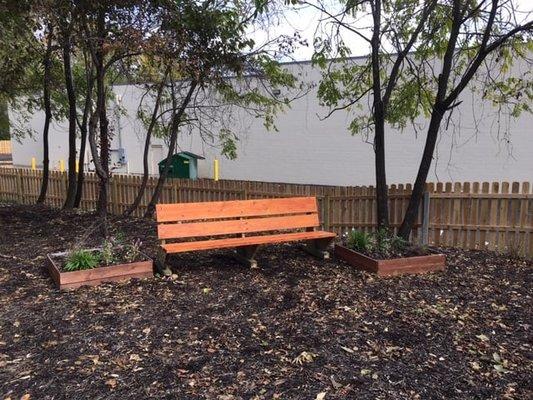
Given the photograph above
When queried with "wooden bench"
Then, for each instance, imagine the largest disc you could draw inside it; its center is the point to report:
(243, 224)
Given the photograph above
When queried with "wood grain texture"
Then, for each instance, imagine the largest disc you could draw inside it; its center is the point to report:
(95, 282)
(392, 267)
(245, 241)
(235, 209)
(356, 259)
(228, 227)
(91, 277)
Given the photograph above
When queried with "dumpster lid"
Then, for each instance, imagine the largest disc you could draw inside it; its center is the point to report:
(185, 154)
(190, 155)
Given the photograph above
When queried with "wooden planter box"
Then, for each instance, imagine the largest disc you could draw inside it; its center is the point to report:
(395, 266)
(95, 276)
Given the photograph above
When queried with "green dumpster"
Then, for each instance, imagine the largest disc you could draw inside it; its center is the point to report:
(183, 165)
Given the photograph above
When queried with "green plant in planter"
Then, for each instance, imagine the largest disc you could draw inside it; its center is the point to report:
(381, 241)
(132, 251)
(398, 243)
(358, 240)
(80, 260)
(107, 253)
(119, 238)
(386, 242)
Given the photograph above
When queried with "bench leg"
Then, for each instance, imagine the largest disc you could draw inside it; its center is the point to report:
(318, 247)
(161, 263)
(245, 255)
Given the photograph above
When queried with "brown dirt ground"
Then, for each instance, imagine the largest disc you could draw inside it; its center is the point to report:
(292, 329)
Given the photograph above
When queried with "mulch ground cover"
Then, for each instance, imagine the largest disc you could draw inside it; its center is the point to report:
(296, 328)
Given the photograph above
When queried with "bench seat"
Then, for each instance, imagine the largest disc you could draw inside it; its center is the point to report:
(245, 241)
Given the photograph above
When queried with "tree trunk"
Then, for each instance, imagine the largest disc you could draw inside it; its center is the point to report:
(382, 195)
(101, 207)
(47, 117)
(81, 163)
(103, 160)
(378, 113)
(176, 121)
(147, 141)
(437, 114)
(84, 133)
(423, 170)
(72, 115)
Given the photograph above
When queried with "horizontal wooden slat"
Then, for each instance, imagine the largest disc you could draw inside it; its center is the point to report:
(228, 227)
(360, 224)
(234, 209)
(500, 228)
(245, 241)
(101, 274)
(465, 196)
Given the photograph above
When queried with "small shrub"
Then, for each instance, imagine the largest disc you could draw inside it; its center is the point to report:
(399, 243)
(119, 238)
(108, 252)
(381, 242)
(387, 243)
(358, 240)
(516, 248)
(80, 260)
(132, 251)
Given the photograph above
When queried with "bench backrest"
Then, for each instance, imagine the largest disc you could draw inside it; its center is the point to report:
(185, 220)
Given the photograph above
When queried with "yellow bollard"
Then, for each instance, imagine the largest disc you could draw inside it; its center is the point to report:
(61, 166)
(33, 163)
(77, 166)
(215, 170)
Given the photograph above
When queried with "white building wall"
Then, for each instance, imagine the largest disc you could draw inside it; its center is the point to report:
(308, 150)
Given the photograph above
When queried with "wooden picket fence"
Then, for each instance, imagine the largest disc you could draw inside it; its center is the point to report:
(5, 146)
(494, 216)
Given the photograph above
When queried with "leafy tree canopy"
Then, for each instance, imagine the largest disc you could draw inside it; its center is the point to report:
(412, 39)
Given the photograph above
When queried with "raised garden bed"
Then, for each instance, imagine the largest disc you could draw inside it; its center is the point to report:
(394, 266)
(95, 276)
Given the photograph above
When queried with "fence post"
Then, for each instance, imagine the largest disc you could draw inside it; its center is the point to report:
(425, 218)
(244, 194)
